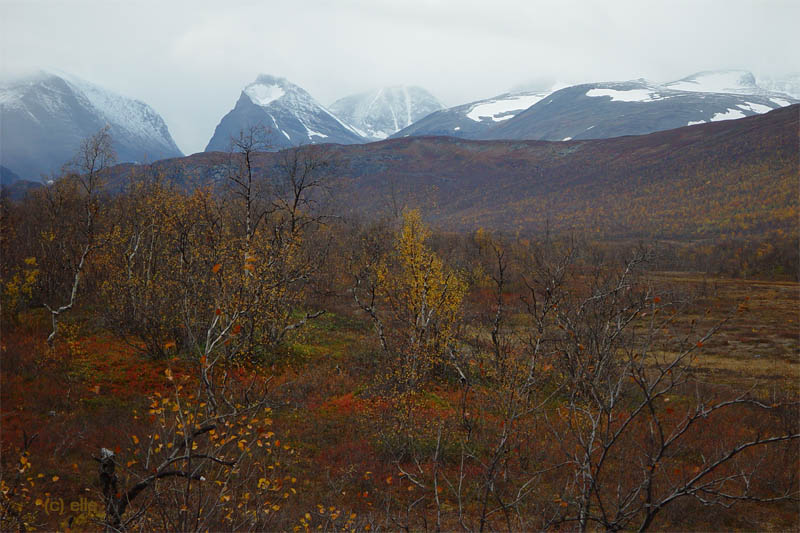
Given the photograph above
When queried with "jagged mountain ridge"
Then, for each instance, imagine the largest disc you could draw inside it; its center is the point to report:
(377, 114)
(45, 117)
(289, 114)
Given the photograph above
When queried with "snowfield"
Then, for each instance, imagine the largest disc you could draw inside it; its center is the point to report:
(728, 115)
(755, 108)
(504, 109)
(632, 95)
(263, 94)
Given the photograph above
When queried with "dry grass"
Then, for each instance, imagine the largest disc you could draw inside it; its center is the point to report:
(759, 344)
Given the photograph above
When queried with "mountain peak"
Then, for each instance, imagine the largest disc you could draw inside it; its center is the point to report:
(290, 114)
(57, 110)
(382, 112)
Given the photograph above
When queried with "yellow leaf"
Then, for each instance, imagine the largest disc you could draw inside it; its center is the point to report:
(135, 439)
(55, 478)
(216, 268)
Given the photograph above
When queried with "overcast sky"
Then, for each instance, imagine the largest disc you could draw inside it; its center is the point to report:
(190, 60)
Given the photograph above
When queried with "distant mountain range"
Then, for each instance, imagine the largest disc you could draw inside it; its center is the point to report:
(44, 118)
(602, 110)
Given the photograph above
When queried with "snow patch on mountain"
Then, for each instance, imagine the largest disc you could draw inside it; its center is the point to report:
(503, 107)
(631, 95)
(755, 108)
(262, 95)
(312, 133)
(728, 115)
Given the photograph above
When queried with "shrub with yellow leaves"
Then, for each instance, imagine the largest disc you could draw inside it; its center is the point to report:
(414, 300)
(19, 505)
(203, 466)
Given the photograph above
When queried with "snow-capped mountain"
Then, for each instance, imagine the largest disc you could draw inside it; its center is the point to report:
(607, 109)
(473, 120)
(613, 109)
(383, 112)
(45, 117)
(289, 114)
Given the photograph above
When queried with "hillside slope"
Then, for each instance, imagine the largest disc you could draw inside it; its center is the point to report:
(723, 178)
